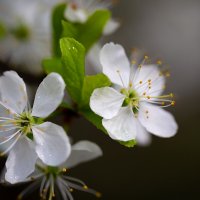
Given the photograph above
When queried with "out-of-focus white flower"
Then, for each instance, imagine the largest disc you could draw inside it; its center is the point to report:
(22, 132)
(129, 109)
(27, 38)
(48, 178)
(80, 10)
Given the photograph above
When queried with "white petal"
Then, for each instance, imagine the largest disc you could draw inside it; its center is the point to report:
(83, 151)
(13, 91)
(111, 26)
(123, 127)
(75, 15)
(21, 161)
(146, 73)
(49, 95)
(52, 143)
(92, 59)
(106, 102)
(143, 138)
(115, 64)
(158, 121)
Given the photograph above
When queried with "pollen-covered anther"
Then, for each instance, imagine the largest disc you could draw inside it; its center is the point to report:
(144, 93)
(146, 57)
(98, 194)
(167, 74)
(173, 103)
(148, 97)
(171, 95)
(133, 62)
(64, 170)
(159, 62)
(85, 187)
(71, 189)
(163, 103)
(140, 82)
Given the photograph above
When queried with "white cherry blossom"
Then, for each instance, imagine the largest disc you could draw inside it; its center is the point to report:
(27, 38)
(22, 132)
(47, 178)
(80, 10)
(134, 105)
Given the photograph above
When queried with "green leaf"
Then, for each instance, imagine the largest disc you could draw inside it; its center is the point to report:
(93, 118)
(53, 65)
(2, 30)
(91, 83)
(57, 17)
(91, 31)
(128, 144)
(73, 59)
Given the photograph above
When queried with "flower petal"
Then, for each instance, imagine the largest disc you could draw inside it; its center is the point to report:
(115, 64)
(49, 95)
(106, 102)
(143, 138)
(83, 151)
(13, 91)
(111, 26)
(21, 161)
(75, 15)
(157, 121)
(144, 75)
(123, 127)
(52, 143)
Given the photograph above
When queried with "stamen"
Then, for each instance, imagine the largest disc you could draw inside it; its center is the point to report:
(121, 78)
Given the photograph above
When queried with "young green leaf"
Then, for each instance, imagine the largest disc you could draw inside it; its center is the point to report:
(57, 17)
(53, 65)
(90, 32)
(73, 59)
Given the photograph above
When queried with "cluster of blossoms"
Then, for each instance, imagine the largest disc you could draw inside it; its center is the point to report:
(135, 96)
(38, 149)
(131, 107)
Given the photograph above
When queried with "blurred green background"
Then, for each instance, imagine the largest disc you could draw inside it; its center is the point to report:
(168, 168)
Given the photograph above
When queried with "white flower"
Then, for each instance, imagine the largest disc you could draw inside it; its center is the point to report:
(129, 109)
(80, 10)
(22, 132)
(48, 178)
(27, 33)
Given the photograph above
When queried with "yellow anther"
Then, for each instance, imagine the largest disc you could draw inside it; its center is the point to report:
(64, 170)
(163, 103)
(149, 87)
(173, 103)
(19, 197)
(167, 74)
(140, 82)
(149, 80)
(85, 187)
(146, 57)
(159, 62)
(133, 62)
(147, 111)
(171, 95)
(98, 194)
(130, 84)
(140, 66)
(148, 97)
(144, 93)
(71, 190)
(163, 87)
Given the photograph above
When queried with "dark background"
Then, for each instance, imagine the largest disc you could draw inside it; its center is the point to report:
(168, 168)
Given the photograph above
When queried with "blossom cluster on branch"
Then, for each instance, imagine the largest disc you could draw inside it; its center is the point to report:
(123, 98)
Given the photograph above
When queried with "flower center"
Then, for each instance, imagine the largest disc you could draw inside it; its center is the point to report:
(21, 32)
(25, 121)
(132, 98)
